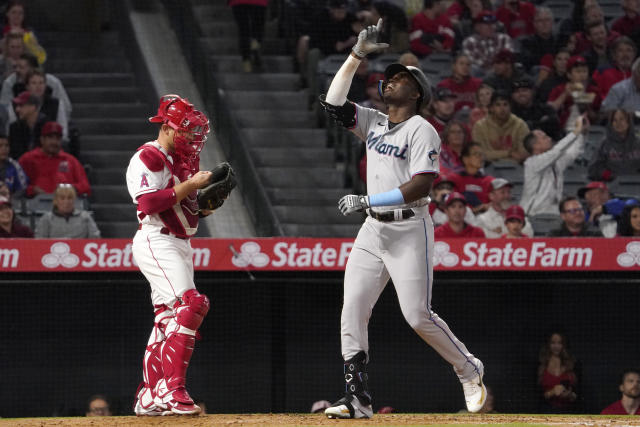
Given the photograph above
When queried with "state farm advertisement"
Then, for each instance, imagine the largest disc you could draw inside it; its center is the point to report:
(298, 254)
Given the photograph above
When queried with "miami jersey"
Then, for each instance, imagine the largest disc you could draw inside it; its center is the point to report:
(152, 169)
(394, 156)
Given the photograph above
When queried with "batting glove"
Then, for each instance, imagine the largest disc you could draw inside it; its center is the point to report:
(368, 41)
(353, 203)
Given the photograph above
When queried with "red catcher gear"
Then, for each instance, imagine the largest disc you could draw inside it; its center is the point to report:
(191, 127)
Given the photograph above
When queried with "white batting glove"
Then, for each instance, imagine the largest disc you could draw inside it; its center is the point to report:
(368, 41)
(353, 203)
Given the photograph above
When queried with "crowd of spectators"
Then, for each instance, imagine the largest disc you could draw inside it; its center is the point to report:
(35, 112)
(525, 87)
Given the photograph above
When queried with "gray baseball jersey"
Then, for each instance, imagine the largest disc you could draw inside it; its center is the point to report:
(400, 249)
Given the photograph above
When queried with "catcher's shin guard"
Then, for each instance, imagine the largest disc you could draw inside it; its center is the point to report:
(178, 347)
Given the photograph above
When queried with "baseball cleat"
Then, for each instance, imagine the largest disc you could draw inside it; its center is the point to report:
(145, 405)
(349, 407)
(475, 393)
(180, 408)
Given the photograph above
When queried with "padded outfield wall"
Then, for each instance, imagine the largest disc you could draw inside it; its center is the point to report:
(271, 340)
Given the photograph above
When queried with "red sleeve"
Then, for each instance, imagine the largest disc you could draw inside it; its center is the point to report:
(448, 41)
(455, 10)
(416, 44)
(556, 92)
(27, 166)
(80, 181)
(157, 201)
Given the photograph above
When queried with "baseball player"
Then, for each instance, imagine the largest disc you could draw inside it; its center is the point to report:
(396, 240)
(163, 178)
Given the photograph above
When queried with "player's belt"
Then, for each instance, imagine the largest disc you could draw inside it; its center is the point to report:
(165, 230)
(389, 216)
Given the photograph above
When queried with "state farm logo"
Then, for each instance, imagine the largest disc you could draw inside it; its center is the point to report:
(60, 255)
(249, 255)
(631, 257)
(444, 256)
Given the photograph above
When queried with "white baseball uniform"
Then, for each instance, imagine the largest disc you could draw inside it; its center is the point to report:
(161, 247)
(400, 249)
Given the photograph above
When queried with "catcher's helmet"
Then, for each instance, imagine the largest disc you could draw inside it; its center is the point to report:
(192, 125)
(423, 83)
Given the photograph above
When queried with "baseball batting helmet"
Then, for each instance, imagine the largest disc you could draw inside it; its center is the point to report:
(192, 126)
(423, 82)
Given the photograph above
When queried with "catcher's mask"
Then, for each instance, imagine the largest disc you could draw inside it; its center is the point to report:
(191, 126)
(424, 87)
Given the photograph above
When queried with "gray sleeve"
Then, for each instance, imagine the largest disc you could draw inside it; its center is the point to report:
(43, 227)
(613, 99)
(541, 161)
(92, 229)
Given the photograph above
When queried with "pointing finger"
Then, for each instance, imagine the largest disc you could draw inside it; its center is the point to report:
(379, 26)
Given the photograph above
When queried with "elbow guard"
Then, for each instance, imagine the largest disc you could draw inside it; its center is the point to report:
(344, 115)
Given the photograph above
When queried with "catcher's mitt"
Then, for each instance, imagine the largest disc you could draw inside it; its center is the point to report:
(222, 181)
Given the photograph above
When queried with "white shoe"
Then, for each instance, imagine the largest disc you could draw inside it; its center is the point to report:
(475, 393)
(349, 407)
(145, 405)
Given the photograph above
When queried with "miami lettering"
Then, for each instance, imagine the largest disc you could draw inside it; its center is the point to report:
(377, 144)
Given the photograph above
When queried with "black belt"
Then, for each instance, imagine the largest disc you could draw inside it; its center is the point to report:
(389, 216)
(165, 230)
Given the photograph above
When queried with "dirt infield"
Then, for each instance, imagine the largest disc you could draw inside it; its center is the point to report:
(236, 420)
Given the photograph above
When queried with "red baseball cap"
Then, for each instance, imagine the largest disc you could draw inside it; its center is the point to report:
(576, 60)
(51, 128)
(443, 177)
(25, 97)
(591, 186)
(452, 197)
(514, 211)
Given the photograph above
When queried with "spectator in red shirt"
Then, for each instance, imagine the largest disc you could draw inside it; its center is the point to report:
(461, 83)
(556, 375)
(472, 182)
(48, 165)
(630, 389)
(9, 225)
(431, 30)
(630, 21)
(517, 17)
(443, 108)
(561, 97)
(454, 138)
(455, 208)
(623, 52)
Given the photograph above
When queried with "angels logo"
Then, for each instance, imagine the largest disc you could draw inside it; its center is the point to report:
(631, 257)
(60, 255)
(444, 256)
(249, 255)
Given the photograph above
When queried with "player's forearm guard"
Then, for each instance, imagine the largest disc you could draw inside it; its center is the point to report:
(344, 115)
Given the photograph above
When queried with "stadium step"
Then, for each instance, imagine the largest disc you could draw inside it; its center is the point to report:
(284, 157)
(113, 142)
(104, 94)
(91, 65)
(301, 177)
(83, 110)
(101, 194)
(264, 81)
(110, 211)
(208, 12)
(275, 118)
(315, 215)
(118, 229)
(292, 137)
(110, 176)
(321, 230)
(306, 196)
(103, 159)
(71, 80)
(233, 63)
(115, 126)
(291, 100)
(229, 45)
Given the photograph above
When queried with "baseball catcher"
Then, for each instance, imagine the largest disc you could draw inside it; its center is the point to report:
(222, 181)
